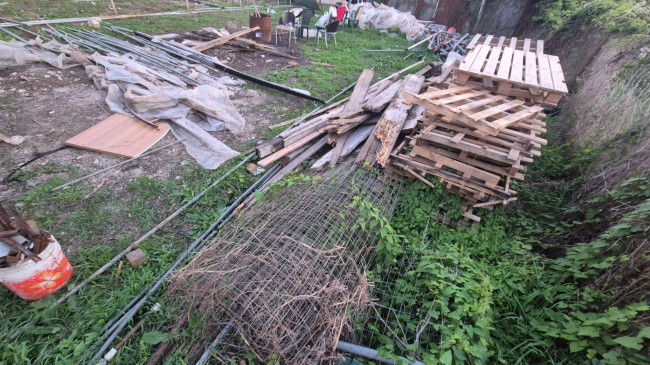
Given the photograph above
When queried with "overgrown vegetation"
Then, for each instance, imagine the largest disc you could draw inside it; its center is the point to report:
(545, 282)
(625, 16)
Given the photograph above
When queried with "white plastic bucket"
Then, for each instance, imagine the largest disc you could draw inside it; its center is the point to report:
(34, 280)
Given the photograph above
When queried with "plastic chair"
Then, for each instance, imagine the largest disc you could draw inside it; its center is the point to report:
(329, 30)
(306, 16)
(357, 16)
(286, 25)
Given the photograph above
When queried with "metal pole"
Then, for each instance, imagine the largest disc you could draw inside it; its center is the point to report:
(112, 167)
(369, 353)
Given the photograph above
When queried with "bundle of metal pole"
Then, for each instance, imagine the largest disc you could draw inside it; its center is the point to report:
(120, 323)
(215, 65)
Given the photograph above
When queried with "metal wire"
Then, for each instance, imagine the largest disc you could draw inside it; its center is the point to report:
(286, 273)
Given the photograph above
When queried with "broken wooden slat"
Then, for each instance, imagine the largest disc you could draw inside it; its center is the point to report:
(284, 151)
(223, 40)
(391, 123)
(379, 101)
(354, 104)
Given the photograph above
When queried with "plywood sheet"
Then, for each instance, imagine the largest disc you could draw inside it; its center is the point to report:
(119, 135)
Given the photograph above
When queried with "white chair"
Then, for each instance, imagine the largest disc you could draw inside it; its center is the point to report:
(287, 21)
(329, 30)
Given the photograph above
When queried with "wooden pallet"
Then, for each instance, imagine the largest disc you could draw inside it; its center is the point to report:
(515, 72)
(479, 109)
(526, 44)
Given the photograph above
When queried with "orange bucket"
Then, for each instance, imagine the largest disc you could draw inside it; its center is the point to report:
(34, 280)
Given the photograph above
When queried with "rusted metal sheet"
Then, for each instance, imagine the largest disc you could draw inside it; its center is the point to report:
(452, 13)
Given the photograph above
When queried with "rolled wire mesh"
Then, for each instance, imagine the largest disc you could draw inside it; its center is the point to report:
(288, 273)
(395, 309)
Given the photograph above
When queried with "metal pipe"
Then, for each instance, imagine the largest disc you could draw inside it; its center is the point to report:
(113, 166)
(369, 353)
(197, 244)
(215, 65)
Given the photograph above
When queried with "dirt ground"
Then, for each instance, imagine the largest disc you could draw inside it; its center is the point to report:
(47, 106)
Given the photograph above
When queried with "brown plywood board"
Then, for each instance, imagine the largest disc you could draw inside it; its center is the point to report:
(119, 135)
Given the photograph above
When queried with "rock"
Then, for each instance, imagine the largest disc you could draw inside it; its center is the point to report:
(136, 258)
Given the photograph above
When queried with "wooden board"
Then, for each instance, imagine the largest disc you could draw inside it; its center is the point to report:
(119, 135)
(223, 40)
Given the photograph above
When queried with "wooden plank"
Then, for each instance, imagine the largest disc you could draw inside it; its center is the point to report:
(284, 151)
(294, 154)
(488, 40)
(479, 61)
(469, 59)
(540, 47)
(223, 40)
(545, 76)
(478, 103)
(340, 143)
(531, 69)
(119, 135)
(353, 106)
(491, 65)
(515, 117)
(455, 98)
(391, 123)
(379, 101)
(502, 40)
(495, 110)
(438, 93)
(526, 45)
(505, 65)
(415, 114)
(490, 179)
(472, 43)
(517, 69)
(513, 43)
(269, 147)
(352, 142)
(467, 146)
(558, 76)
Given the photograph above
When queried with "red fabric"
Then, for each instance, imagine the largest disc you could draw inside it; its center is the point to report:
(340, 12)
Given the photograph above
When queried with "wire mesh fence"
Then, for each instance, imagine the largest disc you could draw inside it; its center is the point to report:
(287, 274)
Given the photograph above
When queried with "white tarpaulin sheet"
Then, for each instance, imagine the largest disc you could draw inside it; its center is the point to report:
(153, 94)
(384, 17)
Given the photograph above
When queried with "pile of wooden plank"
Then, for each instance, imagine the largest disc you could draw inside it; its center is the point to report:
(371, 119)
(19, 239)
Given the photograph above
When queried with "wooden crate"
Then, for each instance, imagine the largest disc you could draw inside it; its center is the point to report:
(481, 110)
(513, 72)
(526, 44)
